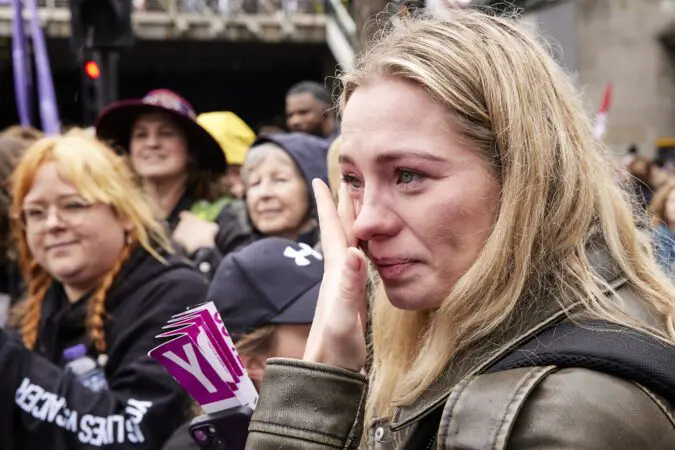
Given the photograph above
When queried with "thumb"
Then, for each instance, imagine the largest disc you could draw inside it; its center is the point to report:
(353, 283)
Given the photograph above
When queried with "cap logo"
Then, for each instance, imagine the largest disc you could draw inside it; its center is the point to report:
(301, 256)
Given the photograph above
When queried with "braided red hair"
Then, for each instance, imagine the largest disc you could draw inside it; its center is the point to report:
(96, 313)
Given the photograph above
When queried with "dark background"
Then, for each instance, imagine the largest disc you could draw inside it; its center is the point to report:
(248, 78)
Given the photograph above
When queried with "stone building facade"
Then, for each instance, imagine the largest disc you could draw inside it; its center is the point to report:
(628, 43)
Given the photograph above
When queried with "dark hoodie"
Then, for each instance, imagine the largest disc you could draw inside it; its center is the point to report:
(235, 229)
(43, 406)
(309, 153)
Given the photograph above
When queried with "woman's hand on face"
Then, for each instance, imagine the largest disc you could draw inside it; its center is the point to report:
(337, 336)
(194, 233)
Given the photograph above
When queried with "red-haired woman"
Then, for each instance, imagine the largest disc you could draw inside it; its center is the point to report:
(101, 281)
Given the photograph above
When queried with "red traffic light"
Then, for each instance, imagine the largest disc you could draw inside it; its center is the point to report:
(92, 70)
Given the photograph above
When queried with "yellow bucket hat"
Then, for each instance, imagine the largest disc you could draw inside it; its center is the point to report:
(232, 133)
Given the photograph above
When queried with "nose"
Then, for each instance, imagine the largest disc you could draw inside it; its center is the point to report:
(152, 140)
(375, 219)
(294, 122)
(52, 221)
(265, 189)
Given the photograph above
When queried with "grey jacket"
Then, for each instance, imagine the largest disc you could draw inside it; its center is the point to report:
(313, 406)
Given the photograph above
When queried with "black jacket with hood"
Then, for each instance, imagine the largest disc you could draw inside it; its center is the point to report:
(44, 407)
(310, 154)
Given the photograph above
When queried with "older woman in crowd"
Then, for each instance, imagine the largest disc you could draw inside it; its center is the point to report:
(277, 176)
(278, 197)
(472, 184)
(101, 281)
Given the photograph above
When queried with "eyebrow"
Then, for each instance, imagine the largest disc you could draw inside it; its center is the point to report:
(394, 156)
(58, 197)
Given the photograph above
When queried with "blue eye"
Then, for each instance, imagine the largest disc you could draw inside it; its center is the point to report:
(351, 181)
(407, 176)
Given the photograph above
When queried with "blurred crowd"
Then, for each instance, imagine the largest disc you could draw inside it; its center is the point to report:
(171, 208)
(652, 180)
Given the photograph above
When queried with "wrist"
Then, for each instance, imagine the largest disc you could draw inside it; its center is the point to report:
(317, 356)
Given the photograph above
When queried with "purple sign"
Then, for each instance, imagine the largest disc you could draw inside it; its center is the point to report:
(218, 334)
(203, 359)
(184, 360)
(199, 334)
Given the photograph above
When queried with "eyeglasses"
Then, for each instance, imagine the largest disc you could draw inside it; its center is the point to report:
(71, 212)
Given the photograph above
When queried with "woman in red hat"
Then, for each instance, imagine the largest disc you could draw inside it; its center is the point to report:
(177, 161)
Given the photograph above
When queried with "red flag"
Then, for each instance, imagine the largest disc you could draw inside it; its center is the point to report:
(603, 112)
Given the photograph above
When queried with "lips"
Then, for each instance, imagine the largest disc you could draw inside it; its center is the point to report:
(153, 157)
(394, 269)
(59, 245)
(269, 211)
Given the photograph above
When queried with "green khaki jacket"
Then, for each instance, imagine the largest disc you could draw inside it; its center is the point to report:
(313, 406)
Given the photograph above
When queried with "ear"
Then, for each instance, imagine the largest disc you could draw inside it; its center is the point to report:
(128, 227)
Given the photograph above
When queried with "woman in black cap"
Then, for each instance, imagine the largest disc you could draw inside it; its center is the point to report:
(177, 161)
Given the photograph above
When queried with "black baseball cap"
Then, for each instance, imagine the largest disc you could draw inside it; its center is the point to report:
(271, 281)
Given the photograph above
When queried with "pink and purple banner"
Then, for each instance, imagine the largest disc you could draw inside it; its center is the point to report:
(200, 355)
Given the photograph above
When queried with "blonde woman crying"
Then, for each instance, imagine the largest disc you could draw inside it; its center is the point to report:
(472, 184)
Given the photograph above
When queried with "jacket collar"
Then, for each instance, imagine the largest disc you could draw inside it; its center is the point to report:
(485, 353)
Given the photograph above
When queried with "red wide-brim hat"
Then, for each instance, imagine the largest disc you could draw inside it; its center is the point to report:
(114, 125)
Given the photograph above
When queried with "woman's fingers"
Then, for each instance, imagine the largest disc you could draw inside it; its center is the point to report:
(360, 297)
(353, 284)
(347, 214)
(337, 333)
(339, 338)
(333, 239)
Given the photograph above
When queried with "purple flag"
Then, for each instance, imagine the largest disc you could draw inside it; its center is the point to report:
(200, 339)
(48, 111)
(218, 338)
(201, 335)
(20, 60)
(184, 360)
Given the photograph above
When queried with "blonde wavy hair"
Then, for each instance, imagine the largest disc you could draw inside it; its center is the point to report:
(100, 176)
(510, 101)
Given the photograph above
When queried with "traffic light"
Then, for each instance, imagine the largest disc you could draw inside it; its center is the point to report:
(91, 93)
(99, 29)
(101, 24)
(92, 70)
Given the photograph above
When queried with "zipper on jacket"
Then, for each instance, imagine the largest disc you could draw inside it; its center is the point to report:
(431, 443)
